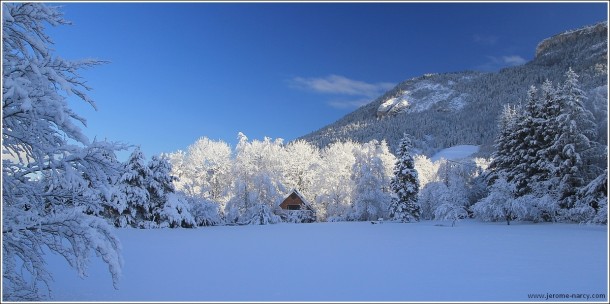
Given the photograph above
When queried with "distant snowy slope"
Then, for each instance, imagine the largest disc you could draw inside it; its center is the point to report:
(423, 94)
(455, 152)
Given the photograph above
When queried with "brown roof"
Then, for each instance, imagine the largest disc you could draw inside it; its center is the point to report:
(300, 196)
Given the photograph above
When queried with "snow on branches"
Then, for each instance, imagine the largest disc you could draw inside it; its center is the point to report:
(53, 177)
(405, 184)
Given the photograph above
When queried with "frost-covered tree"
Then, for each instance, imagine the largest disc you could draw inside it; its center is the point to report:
(430, 197)
(457, 176)
(53, 177)
(450, 211)
(446, 198)
(207, 167)
(333, 181)
(204, 212)
(388, 160)
(405, 184)
(203, 175)
(426, 170)
(501, 204)
(257, 185)
(302, 160)
(180, 170)
(478, 183)
(370, 174)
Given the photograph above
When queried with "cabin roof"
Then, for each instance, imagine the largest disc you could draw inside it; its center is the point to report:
(295, 191)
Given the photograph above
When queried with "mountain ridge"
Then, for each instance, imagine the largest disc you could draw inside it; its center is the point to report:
(446, 109)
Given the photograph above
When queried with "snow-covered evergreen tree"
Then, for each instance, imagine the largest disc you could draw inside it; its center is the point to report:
(546, 151)
(546, 134)
(133, 188)
(525, 145)
(167, 208)
(576, 127)
(176, 212)
(405, 184)
(592, 203)
(504, 157)
(52, 176)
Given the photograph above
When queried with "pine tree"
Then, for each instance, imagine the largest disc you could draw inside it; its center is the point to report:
(545, 135)
(526, 144)
(166, 207)
(405, 184)
(592, 203)
(595, 194)
(133, 185)
(575, 126)
(504, 158)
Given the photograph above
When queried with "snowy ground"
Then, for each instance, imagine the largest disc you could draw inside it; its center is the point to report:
(455, 152)
(349, 261)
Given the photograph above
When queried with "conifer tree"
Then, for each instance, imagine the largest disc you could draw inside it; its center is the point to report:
(526, 144)
(546, 133)
(166, 207)
(405, 184)
(132, 185)
(575, 127)
(504, 158)
(593, 200)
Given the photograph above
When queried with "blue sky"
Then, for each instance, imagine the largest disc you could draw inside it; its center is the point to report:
(180, 71)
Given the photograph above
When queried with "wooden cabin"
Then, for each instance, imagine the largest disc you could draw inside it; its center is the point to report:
(295, 208)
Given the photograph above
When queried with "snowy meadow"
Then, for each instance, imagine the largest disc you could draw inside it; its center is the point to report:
(348, 261)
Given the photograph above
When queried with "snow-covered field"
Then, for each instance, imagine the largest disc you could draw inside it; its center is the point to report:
(455, 152)
(348, 261)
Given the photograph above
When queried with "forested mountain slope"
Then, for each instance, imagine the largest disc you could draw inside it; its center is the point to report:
(443, 110)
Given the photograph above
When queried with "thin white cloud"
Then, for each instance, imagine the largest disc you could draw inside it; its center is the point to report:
(495, 63)
(340, 85)
(513, 60)
(348, 104)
